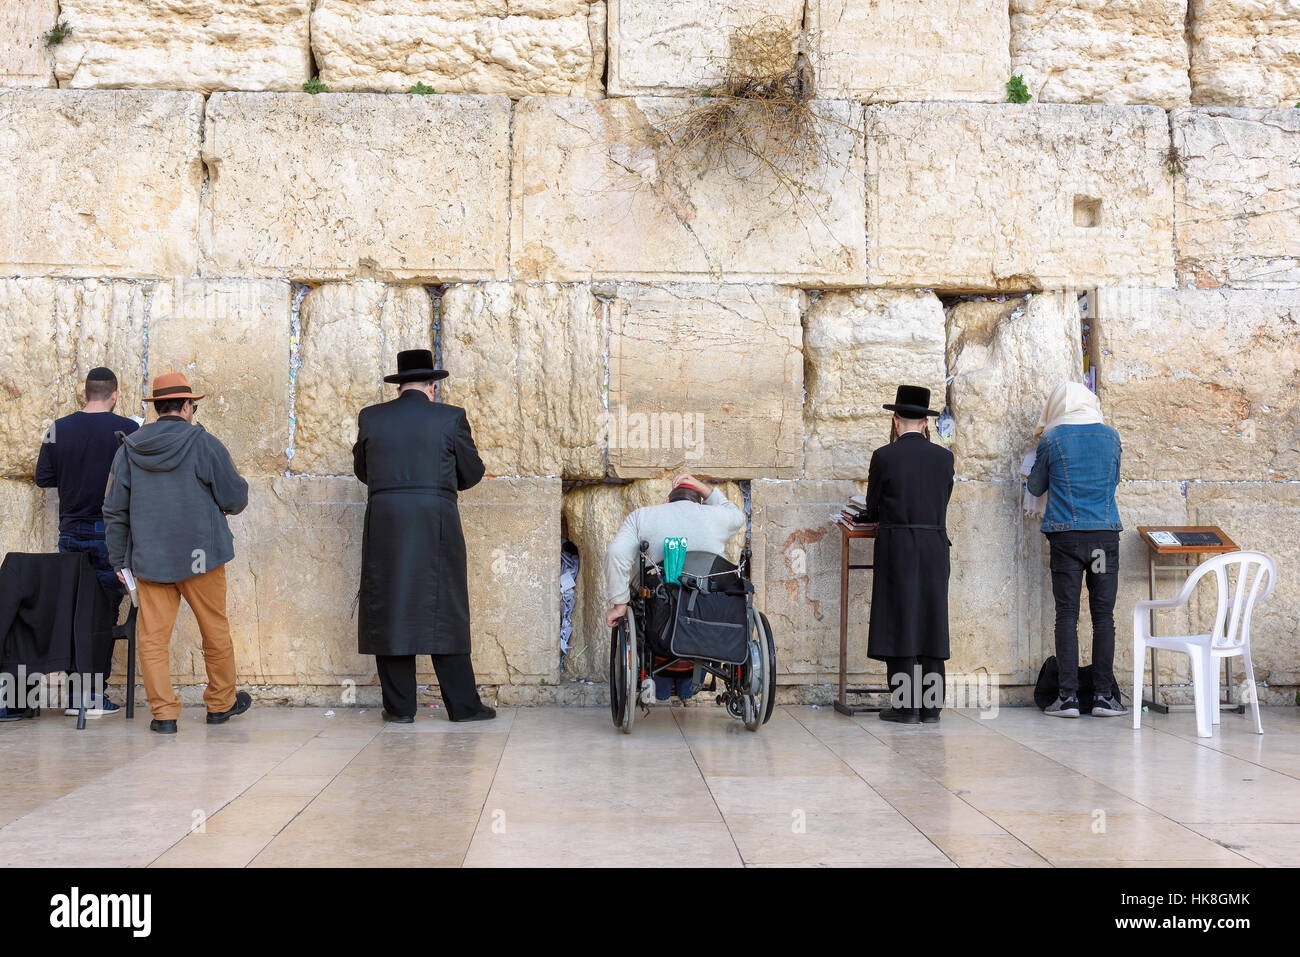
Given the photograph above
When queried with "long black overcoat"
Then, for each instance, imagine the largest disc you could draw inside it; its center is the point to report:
(908, 487)
(414, 455)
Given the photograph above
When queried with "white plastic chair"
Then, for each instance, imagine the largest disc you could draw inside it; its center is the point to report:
(1230, 637)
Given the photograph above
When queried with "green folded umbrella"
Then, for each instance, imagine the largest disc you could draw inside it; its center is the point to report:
(674, 558)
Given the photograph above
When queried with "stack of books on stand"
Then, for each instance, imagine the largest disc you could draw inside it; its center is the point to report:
(853, 515)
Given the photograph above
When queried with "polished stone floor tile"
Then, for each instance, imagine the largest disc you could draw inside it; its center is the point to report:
(339, 787)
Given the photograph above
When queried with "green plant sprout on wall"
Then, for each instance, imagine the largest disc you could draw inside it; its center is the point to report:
(423, 89)
(314, 86)
(1017, 92)
(62, 31)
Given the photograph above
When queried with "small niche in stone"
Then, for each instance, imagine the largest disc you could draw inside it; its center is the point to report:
(1087, 211)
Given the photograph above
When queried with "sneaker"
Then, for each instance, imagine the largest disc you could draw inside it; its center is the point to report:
(1108, 707)
(98, 707)
(1064, 707)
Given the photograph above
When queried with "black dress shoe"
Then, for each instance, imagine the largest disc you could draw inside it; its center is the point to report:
(166, 726)
(243, 701)
(929, 715)
(484, 713)
(399, 718)
(900, 715)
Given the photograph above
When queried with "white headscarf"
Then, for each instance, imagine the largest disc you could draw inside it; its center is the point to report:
(1071, 403)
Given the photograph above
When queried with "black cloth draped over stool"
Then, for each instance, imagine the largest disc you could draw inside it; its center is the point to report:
(52, 615)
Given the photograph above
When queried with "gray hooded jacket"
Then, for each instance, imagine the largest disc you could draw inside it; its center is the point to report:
(169, 492)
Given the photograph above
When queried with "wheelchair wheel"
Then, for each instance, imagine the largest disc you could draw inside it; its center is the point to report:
(770, 697)
(623, 662)
(758, 700)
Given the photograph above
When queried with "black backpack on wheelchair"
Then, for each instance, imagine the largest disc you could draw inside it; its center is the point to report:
(703, 615)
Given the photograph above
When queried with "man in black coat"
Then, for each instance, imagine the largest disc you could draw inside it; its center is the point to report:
(908, 487)
(415, 454)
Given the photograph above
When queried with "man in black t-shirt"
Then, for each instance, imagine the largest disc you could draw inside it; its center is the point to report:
(76, 455)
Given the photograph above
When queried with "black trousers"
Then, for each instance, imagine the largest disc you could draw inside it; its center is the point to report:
(916, 683)
(1092, 556)
(455, 681)
(88, 537)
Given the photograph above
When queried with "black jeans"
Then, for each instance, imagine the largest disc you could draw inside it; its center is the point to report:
(88, 537)
(916, 683)
(455, 681)
(1093, 555)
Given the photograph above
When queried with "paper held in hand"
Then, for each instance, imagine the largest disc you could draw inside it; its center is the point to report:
(130, 587)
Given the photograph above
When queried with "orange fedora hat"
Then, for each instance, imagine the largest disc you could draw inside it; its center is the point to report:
(171, 385)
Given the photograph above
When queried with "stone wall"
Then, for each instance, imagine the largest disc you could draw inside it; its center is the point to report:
(498, 180)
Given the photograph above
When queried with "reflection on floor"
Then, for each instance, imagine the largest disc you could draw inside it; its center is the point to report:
(286, 786)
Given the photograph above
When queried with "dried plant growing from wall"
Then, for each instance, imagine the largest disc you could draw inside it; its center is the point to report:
(761, 116)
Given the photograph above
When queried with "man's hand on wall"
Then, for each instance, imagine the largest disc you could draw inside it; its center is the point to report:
(687, 480)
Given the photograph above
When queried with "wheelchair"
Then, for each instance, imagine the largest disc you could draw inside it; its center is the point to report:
(639, 649)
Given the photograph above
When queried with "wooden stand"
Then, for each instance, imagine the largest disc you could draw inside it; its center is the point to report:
(1155, 702)
(847, 534)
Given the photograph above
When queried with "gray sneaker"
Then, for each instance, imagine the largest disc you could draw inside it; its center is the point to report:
(1064, 707)
(1108, 707)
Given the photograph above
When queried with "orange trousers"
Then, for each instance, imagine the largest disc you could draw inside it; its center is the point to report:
(159, 603)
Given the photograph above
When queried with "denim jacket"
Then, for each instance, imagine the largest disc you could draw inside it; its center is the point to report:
(1078, 466)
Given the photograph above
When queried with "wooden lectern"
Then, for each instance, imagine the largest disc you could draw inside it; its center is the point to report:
(847, 534)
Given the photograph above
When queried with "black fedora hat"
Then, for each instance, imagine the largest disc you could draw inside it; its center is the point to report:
(912, 402)
(415, 365)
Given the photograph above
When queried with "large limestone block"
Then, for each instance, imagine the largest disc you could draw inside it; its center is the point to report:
(593, 514)
(859, 345)
(529, 363)
(797, 579)
(201, 45)
(52, 332)
(599, 194)
(671, 47)
(23, 522)
(511, 47)
(231, 339)
(99, 183)
(1262, 516)
(1131, 51)
(1005, 358)
(350, 334)
(1014, 198)
(1158, 504)
(339, 186)
(1237, 200)
(1154, 504)
(24, 57)
(707, 379)
(991, 600)
(293, 583)
(1200, 383)
(512, 538)
(888, 50)
(1245, 53)
(291, 588)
